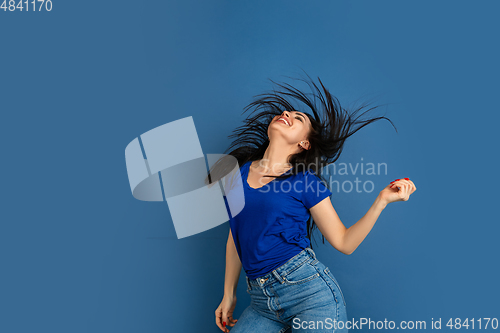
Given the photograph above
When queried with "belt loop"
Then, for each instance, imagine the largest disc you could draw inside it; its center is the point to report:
(278, 277)
(311, 252)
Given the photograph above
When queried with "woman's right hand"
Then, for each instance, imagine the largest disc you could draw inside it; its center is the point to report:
(224, 313)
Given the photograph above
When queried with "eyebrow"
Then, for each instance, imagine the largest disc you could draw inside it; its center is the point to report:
(301, 114)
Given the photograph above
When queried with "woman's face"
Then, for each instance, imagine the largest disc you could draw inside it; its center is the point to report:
(292, 126)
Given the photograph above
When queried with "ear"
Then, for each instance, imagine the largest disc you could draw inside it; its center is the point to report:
(305, 145)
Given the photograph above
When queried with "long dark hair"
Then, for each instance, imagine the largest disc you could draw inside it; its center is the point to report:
(331, 126)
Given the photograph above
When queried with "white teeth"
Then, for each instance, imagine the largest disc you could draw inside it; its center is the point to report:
(285, 121)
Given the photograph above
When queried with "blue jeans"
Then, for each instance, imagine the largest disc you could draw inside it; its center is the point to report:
(302, 295)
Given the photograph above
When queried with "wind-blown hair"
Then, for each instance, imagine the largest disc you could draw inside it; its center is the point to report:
(331, 126)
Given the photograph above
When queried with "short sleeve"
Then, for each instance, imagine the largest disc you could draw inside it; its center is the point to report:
(313, 190)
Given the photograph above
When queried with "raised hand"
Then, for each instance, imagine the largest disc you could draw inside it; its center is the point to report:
(398, 190)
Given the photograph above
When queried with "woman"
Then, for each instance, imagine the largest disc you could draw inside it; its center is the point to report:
(281, 153)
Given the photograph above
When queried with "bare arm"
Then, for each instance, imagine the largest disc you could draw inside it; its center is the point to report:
(224, 313)
(346, 240)
(233, 267)
(355, 234)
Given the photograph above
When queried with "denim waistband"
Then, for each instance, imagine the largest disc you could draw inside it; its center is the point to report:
(291, 265)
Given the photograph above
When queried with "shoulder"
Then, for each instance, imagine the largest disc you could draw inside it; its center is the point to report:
(309, 174)
(245, 165)
(306, 178)
(311, 178)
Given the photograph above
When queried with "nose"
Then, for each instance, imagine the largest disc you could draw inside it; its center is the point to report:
(286, 114)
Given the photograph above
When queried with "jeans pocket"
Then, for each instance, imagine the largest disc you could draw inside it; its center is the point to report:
(304, 273)
(330, 275)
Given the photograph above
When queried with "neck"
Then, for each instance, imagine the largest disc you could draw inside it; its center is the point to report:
(275, 159)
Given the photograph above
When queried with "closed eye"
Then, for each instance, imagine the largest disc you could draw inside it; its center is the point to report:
(299, 119)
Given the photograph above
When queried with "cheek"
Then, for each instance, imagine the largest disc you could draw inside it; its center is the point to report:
(304, 131)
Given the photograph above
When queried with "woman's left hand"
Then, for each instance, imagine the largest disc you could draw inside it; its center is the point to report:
(398, 190)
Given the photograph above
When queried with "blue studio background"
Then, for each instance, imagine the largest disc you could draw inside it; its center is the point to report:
(79, 254)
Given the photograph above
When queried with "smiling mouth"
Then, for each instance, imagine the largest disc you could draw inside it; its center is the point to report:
(283, 120)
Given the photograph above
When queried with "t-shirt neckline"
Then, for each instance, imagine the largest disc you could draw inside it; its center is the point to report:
(260, 188)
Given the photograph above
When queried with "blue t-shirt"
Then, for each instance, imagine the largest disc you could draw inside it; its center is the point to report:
(272, 227)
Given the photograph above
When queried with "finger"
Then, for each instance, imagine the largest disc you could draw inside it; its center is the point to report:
(406, 191)
(413, 187)
(392, 184)
(224, 322)
(411, 190)
(232, 321)
(396, 184)
(405, 186)
(218, 322)
(399, 182)
(402, 191)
